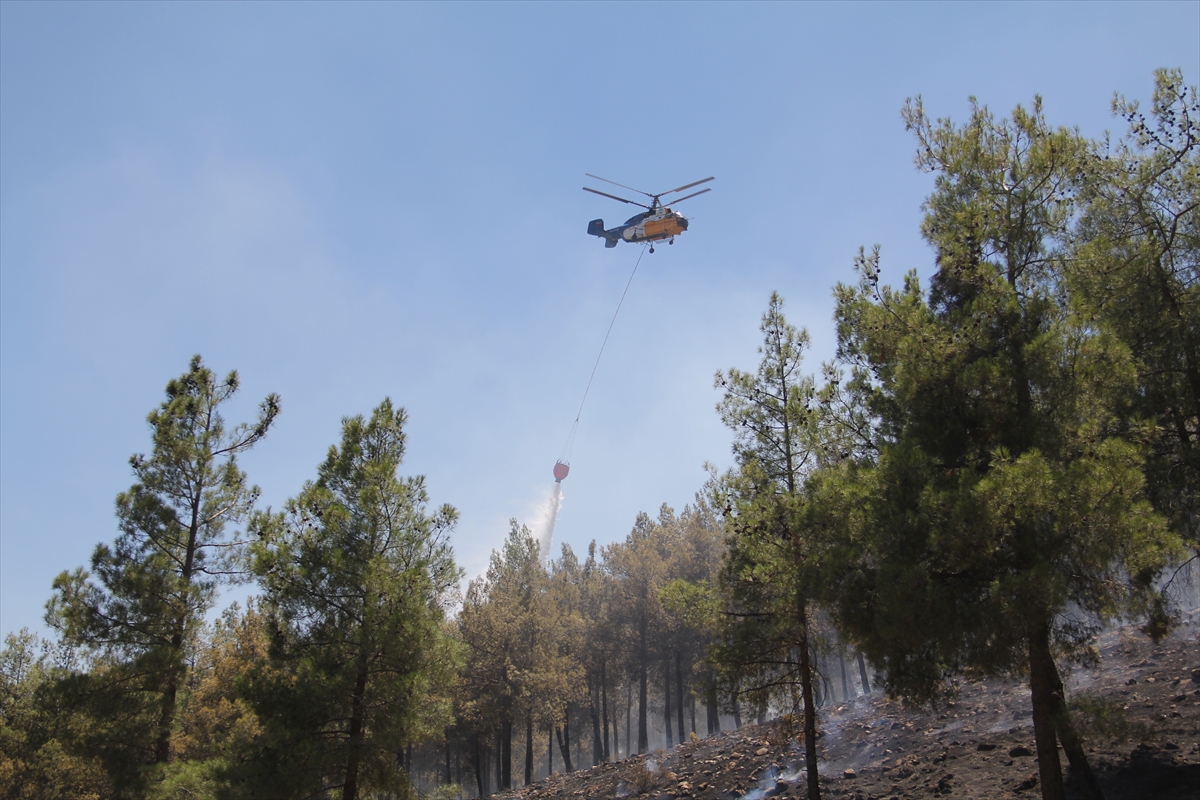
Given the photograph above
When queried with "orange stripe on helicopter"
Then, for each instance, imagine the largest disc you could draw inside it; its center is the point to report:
(668, 227)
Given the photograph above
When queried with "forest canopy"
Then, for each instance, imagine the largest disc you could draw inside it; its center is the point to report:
(1001, 459)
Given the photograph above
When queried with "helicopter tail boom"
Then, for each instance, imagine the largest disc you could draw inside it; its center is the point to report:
(596, 228)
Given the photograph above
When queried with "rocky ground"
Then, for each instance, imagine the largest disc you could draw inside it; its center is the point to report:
(981, 746)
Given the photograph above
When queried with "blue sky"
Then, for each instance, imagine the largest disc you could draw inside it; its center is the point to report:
(351, 201)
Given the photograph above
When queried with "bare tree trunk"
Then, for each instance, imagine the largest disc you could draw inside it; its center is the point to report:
(679, 691)
(550, 753)
(528, 747)
(604, 705)
(692, 708)
(862, 674)
(480, 766)
(594, 707)
(628, 718)
(643, 677)
(1042, 675)
(845, 680)
(506, 753)
(564, 747)
(667, 702)
(1081, 770)
(810, 711)
(499, 761)
(710, 702)
(564, 740)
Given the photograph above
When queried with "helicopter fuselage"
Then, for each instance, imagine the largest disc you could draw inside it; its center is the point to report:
(662, 223)
(649, 226)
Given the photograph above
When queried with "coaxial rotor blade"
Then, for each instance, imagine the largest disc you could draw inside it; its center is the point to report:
(613, 196)
(623, 186)
(681, 188)
(693, 194)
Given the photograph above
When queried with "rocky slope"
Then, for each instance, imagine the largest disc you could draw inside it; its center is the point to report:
(981, 746)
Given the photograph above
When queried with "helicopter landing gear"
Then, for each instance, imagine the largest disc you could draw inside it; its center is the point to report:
(670, 241)
(651, 248)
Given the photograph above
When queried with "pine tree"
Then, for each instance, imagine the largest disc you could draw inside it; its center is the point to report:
(1003, 488)
(522, 662)
(769, 637)
(357, 576)
(147, 593)
(637, 567)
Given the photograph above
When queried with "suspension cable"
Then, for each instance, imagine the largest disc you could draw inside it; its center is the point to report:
(571, 437)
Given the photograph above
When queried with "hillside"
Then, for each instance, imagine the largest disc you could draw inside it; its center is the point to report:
(978, 747)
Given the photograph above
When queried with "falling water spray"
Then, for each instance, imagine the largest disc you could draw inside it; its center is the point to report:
(548, 513)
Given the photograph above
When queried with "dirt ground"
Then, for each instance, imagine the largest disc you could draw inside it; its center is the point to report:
(979, 747)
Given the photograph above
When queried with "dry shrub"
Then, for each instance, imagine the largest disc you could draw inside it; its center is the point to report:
(787, 729)
(641, 778)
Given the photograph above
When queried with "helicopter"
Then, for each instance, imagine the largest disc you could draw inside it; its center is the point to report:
(657, 222)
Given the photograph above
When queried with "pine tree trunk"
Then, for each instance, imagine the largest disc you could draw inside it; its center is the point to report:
(1042, 675)
(604, 706)
(480, 766)
(499, 760)
(357, 714)
(862, 673)
(679, 692)
(692, 709)
(667, 702)
(506, 753)
(810, 711)
(845, 680)
(528, 747)
(594, 707)
(643, 676)
(550, 753)
(628, 718)
(1081, 770)
(710, 702)
(564, 740)
(166, 719)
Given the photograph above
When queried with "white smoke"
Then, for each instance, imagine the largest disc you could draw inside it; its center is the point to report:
(544, 516)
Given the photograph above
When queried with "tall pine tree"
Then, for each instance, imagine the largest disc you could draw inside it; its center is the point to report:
(147, 593)
(1004, 489)
(769, 636)
(357, 576)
